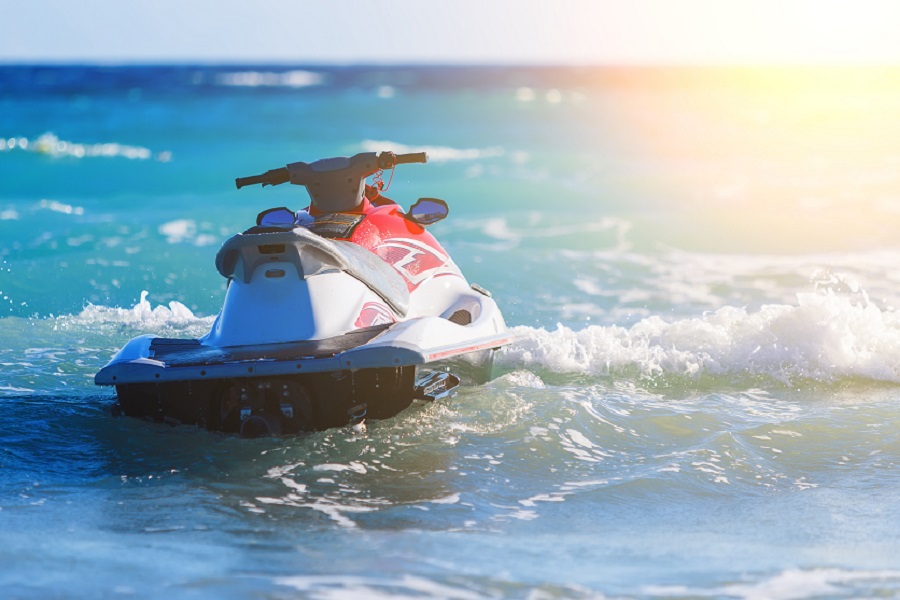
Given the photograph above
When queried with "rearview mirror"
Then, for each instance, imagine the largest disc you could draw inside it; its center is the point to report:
(428, 210)
(276, 217)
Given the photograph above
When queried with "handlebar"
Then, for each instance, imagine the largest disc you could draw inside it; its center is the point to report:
(358, 165)
(402, 159)
(271, 177)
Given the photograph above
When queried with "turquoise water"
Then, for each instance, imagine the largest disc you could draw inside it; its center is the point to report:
(700, 266)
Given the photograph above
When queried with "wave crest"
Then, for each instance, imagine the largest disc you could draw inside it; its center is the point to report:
(143, 316)
(825, 337)
(49, 144)
(288, 79)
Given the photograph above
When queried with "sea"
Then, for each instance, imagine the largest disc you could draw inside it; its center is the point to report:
(701, 268)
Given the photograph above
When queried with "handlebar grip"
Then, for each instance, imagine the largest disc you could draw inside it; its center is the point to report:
(272, 177)
(413, 157)
(252, 180)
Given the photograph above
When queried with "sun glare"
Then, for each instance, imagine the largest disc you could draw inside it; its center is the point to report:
(796, 158)
(762, 32)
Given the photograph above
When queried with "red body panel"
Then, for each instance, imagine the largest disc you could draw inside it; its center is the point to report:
(402, 243)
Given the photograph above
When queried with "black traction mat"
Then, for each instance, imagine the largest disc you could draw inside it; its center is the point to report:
(190, 352)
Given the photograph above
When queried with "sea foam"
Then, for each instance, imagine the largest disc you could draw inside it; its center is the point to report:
(289, 79)
(185, 230)
(142, 317)
(793, 584)
(50, 145)
(825, 337)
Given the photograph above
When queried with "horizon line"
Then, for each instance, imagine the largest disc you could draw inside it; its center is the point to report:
(282, 62)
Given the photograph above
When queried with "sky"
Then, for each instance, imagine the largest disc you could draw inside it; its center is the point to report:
(579, 32)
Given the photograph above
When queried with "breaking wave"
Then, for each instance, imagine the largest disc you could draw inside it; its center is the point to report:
(50, 145)
(825, 337)
(289, 79)
(142, 316)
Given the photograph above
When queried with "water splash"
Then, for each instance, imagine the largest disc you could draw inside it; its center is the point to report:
(826, 336)
(141, 317)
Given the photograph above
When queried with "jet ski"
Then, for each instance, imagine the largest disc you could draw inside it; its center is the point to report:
(347, 310)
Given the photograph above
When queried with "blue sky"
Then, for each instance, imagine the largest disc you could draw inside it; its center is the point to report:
(452, 31)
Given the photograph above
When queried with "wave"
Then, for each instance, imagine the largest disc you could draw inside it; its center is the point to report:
(186, 230)
(500, 229)
(289, 79)
(825, 337)
(61, 207)
(142, 316)
(57, 355)
(790, 584)
(50, 145)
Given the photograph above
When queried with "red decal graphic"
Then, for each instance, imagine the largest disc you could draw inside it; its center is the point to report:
(374, 313)
(415, 260)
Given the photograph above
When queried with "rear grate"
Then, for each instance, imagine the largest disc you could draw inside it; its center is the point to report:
(461, 317)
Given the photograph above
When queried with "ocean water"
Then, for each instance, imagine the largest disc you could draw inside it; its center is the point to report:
(701, 267)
